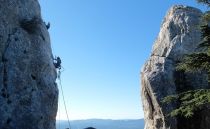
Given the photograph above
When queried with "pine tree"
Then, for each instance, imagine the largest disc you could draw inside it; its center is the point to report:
(206, 2)
(193, 100)
(200, 60)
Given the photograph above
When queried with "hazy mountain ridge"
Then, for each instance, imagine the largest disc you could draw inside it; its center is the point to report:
(102, 124)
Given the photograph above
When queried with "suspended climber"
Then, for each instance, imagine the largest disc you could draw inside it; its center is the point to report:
(57, 63)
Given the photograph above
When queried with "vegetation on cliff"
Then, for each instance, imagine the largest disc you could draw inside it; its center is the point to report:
(193, 100)
(206, 2)
(190, 101)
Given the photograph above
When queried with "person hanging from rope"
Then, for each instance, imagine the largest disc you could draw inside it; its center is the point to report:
(57, 63)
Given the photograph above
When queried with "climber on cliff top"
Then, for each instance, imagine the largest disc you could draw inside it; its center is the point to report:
(57, 62)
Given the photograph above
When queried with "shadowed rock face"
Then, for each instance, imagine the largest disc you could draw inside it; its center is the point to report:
(28, 92)
(179, 35)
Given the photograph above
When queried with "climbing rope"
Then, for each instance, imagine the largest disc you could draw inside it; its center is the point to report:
(59, 113)
(64, 102)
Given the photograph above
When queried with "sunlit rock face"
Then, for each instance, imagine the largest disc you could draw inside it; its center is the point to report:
(28, 92)
(179, 35)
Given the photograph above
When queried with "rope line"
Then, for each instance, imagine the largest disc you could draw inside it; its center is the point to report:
(59, 111)
(59, 78)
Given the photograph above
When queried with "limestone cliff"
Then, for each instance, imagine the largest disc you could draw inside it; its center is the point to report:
(179, 35)
(28, 92)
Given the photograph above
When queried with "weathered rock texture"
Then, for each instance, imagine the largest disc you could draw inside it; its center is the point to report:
(28, 92)
(179, 35)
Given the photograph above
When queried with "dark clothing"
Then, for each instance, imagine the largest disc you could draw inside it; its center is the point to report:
(57, 63)
(90, 128)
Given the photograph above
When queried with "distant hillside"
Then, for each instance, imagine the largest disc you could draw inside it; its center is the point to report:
(103, 124)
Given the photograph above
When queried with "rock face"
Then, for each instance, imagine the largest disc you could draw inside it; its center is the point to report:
(28, 92)
(179, 35)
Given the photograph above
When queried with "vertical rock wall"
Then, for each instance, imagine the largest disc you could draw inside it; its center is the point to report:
(179, 35)
(28, 92)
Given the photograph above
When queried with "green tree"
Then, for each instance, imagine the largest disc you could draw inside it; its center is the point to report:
(200, 60)
(206, 2)
(192, 100)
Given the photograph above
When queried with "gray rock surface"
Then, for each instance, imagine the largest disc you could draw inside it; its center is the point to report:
(28, 92)
(179, 35)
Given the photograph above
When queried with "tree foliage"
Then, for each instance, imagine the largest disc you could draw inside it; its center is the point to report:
(190, 101)
(193, 100)
(205, 2)
(200, 60)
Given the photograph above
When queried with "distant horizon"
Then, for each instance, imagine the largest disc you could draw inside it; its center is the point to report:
(101, 124)
(98, 119)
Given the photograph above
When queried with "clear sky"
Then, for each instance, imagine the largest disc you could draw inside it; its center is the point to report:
(103, 45)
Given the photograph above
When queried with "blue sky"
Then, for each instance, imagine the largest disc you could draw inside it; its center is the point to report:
(103, 45)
